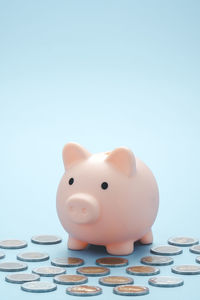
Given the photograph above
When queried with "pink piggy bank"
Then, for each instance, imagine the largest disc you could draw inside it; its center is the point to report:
(108, 198)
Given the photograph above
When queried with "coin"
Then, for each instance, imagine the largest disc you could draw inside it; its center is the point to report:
(32, 256)
(166, 250)
(112, 261)
(186, 269)
(115, 280)
(49, 271)
(67, 262)
(2, 254)
(70, 279)
(12, 266)
(157, 260)
(39, 286)
(93, 271)
(166, 281)
(84, 290)
(183, 241)
(46, 239)
(195, 249)
(130, 290)
(142, 270)
(13, 244)
(21, 278)
(198, 259)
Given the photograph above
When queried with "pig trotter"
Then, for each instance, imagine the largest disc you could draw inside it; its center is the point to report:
(123, 248)
(147, 238)
(75, 244)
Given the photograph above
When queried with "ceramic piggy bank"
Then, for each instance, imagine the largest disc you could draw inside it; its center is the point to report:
(109, 198)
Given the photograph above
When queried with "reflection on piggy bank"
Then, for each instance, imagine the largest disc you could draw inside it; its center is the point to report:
(108, 198)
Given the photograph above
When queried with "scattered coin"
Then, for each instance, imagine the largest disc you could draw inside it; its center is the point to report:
(93, 271)
(67, 262)
(183, 241)
(84, 290)
(39, 286)
(166, 281)
(195, 249)
(186, 269)
(142, 270)
(12, 266)
(112, 261)
(157, 260)
(198, 259)
(115, 280)
(166, 250)
(130, 290)
(2, 255)
(32, 256)
(70, 279)
(21, 278)
(46, 239)
(49, 271)
(13, 244)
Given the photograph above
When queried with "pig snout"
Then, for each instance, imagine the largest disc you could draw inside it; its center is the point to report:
(82, 208)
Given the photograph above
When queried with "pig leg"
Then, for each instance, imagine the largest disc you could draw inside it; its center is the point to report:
(75, 244)
(123, 248)
(147, 238)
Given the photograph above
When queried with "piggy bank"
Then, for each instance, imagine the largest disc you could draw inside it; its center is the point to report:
(109, 198)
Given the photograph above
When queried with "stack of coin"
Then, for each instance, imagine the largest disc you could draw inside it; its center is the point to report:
(142, 270)
(13, 244)
(93, 271)
(115, 280)
(84, 290)
(70, 279)
(112, 261)
(130, 290)
(46, 239)
(67, 262)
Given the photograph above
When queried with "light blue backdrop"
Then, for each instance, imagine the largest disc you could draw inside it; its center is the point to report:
(104, 74)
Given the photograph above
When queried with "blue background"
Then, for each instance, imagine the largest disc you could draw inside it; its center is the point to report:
(104, 74)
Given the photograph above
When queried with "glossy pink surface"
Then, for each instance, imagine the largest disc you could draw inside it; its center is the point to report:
(115, 216)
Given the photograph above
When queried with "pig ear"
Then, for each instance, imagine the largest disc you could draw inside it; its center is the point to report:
(123, 159)
(74, 153)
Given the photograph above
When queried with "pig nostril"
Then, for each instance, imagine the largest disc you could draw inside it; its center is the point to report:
(84, 210)
(71, 208)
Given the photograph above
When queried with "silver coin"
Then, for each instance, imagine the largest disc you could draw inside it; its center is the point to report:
(186, 269)
(67, 262)
(2, 254)
(195, 249)
(39, 286)
(198, 259)
(46, 239)
(13, 244)
(12, 266)
(142, 270)
(93, 271)
(21, 278)
(166, 281)
(115, 280)
(166, 250)
(157, 260)
(84, 290)
(70, 279)
(130, 290)
(182, 241)
(49, 271)
(32, 256)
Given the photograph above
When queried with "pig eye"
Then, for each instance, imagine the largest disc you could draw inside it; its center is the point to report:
(71, 181)
(104, 185)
